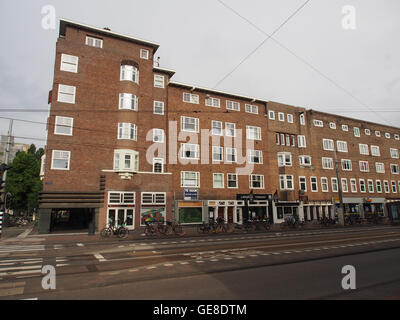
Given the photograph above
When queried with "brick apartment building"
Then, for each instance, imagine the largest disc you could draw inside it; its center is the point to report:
(126, 143)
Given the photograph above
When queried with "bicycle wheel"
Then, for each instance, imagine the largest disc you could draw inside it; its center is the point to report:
(123, 232)
(267, 226)
(163, 229)
(179, 230)
(106, 232)
(201, 228)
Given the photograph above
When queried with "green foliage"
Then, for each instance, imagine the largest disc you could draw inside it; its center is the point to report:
(23, 180)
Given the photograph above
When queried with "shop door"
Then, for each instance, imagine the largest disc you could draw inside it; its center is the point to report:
(230, 214)
(239, 217)
(221, 211)
(117, 217)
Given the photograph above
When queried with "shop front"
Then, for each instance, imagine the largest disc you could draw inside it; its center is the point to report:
(316, 210)
(285, 209)
(190, 212)
(361, 207)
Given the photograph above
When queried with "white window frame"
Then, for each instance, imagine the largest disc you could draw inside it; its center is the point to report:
(314, 184)
(185, 179)
(303, 180)
(158, 133)
(363, 165)
(128, 101)
(367, 132)
(64, 155)
(230, 175)
(253, 133)
(301, 141)
(220, 152)
(393, 184)
(153, 196)
(228, 130)
(217, 125)
(345, 186)
(284, 159)
(386, 186)
(341, 146)
(394, 153)
(144, 54)
(356, 132)
(380, 167)
(191, 98)
(378, 185)
(213, 102)
(345, 165)
(62, 122)
(195, 124)
(69, 63)
(327, 163)
(159, 81)
(271, 115)
(284, 180)
(377, 133)
(392, 166)
(364, 149)
(158, 105)
(345, 127)
(129, 73)
(252, 154)
(324, 184)
(303, 162)
(353, 185)
(94, 42)
(334, 185)
(373, 151)
(251, 108)
(66, 93)
(318, 123)
(281, 116)
(230, 152)
(127, 131)
(252, 178)
(123, 197)
(370, 186)
(192, 148)
(158, 161)
(302, 119)
(119, 163)
(362, 185)
(289, 118)
(332, 125)
(232, 105)
(222, 181)
(328, 144)
(387, 135)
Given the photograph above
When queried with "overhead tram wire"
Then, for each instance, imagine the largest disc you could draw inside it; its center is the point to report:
(262, 43)
(302, 60)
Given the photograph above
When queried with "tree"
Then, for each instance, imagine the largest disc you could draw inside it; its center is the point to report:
(23, 180)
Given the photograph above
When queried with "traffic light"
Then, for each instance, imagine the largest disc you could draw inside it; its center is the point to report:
(2, 192)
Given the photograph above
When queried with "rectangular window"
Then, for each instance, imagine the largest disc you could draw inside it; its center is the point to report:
(230, 154)
(378, 186)
(367, 132)
(253, 133)
(364, 166)
(380, 167)
(345, 186)
(346, 165)
(284, 159)
(115, 197)
(394, 186)
(158, 107)
(394, 168)
(362, 185)
(128, 101)
(345, 127)
(158, 135)
(158, 81)
(341, 146)
(356, 132)
(302, 119)
(153, 198)
(232, 105)
(190, 98)
(370, 184)
(66, 93)
(375, 151)
(256, 181)
(216, 128)
(305, 160)
(314, 184)
(232, 180)
(396, 137)
(271, 115)
(301, 141)
(255, 156)
(281, 116)
(318, 123)
(190, 151)
(377, 133)
(60, 160)
(144, 54)
(324, 184)
(69, 63)
(189, 124)
(289, 118)
(303, 184)
(353, 185)
(332, 125)
(386, 186)
(127, 131)
(286, 182)
(327, 163)
(364, 149)
(217, 153)
(213, 102)
(387, 135)
(190, 179)
(63, 126)
(327, 144)
(218, 180)
(251, 108)
(94, 42)
(334, 184)
(230, 129)
(394, 153)
(158, 165)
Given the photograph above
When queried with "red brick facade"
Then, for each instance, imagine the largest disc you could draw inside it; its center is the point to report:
(96, 117)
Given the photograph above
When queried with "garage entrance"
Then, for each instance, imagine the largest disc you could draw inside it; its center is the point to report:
(77, 219)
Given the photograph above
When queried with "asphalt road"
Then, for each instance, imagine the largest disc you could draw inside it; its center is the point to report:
(284, 265)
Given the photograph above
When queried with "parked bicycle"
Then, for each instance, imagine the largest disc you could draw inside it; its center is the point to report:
(152, 228)
(171, 227)
(111, 229)
(292, 223)
(213, 226)
(326, 222)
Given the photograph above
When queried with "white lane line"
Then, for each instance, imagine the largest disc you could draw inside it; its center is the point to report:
(99, 257)
(133, 270)
(276, 253)
(62, 264)
(265, 254)
(22, 268)
(20, 260)
(80, 244)
(184, 262)
(227, 258)
(214, 260)
(20, 272)
(168, 264)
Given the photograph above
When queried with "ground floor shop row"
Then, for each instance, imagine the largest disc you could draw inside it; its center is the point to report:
(122, 208)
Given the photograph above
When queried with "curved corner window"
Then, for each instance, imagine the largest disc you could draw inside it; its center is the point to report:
(129, 73)
(126, 160)
(128, 101)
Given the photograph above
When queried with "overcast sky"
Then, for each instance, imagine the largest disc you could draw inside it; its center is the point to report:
(313, 61)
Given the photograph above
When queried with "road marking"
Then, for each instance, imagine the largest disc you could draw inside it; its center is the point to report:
(276, 253)
(22, 268)
(80, 244)
(214, 260)
(149, 268)
(62, 264)
(227, 258)
(133, 270)
(168, 264)
(184, 262)
(99, 257)
(199, 261)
